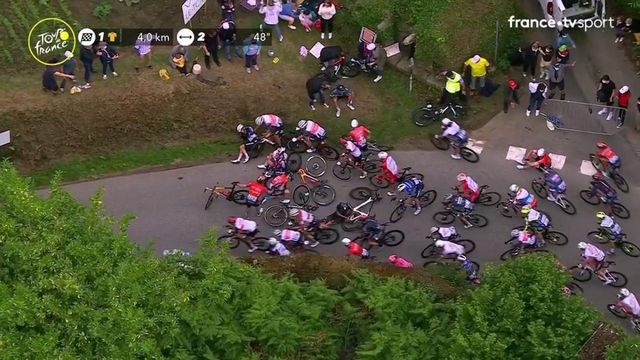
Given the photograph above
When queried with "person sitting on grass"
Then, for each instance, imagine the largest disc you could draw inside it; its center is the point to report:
(342, 92)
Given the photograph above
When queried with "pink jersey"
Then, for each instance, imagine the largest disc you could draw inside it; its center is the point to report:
(452, 248)
(314, 129)
(272, 120)
(401, 262)
(631, 304)
(305, 218)
(290, 235)
(353, 149)
(245, 225)
(594, 252)
(390, 165)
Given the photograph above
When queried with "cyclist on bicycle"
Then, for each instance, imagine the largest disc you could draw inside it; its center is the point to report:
(603, 190)
(277, 248)
(249, 138)
(457, 136)
(342, 214)
(359, 134)
(305, 222)
(309, 132)
(244, 230)
(467, 188)
(449, 250)
(372, 231)
(554, 184)
(399, 261)
(355, 249)
(276, 161)
(594, 259)
(522, 197)
(389, 169)
(413, 188)
(355, 154)
(536, 220)
(444, 233)
(527, 239)
(460, 207)
(607, 157)
(611, 228)
(469, 268)
(292, 236)
(257, 190)
(536, 158)
(274, 125)
(628, 302)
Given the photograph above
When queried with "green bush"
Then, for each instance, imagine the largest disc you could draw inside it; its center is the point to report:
(626, 349)
(102, 10)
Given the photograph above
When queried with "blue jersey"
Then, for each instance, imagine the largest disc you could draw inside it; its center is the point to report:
(413, 186)
(554, 181)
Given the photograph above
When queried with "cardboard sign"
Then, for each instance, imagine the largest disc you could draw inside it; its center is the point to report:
(315, 50)
(190, 8)
(5, 138)
(367, 35)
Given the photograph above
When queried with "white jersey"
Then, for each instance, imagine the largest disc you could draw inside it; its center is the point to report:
(594, 252)
(280, 249)
(305, 218)
(272, 120)
(537, 216)
(471, 184)
(447, 232)
(452, 248)
(290, 235)
(526, 238)
(451, 130)
(245, 225)
(314, 129)
(632, 304)
(608, 223)
(390, 165)
(353, 149)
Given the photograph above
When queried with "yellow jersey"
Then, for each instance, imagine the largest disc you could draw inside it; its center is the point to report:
(478, 68)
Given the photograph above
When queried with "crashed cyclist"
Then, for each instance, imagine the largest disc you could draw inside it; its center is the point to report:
(249, 138)
(537, 158)
(311, 132)
(355, 153)
(276, 161)
(275, 128)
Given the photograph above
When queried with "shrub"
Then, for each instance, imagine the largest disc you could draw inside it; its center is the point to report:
(102, 10)
(626, 349)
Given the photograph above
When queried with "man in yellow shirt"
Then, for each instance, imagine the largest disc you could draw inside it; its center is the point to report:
(478, 67)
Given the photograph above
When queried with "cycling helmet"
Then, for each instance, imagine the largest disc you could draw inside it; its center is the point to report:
(382, 155)
(277, 232)
(462, 258)
(439, 243)
(446, 122)
(434, 229)
(514, 188)
(461, 177)
(273, 241)
(239, 128)
(525, 210)
(302, 124)
(343, 208)
(625, 292)
(600, 215)
(392, 257)
(371, 46)
(601, 144)
(346, 241)
(259, 120)
(402, 186)
(515, 232)
(231, 219)
(354, 123)
(540, 152)
(582, 245)
(294, 212)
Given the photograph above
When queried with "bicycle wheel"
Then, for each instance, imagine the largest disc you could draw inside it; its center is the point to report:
(276, 215)
(327, 236)
(209, 200)
(393, 238)
(294, 162)
(350, 70)
(262, 243)
(352, 226)
(423, 117)
(620, 279)
(429, 251)
(508, 254)
(478, 220)
(255, 150)
(574, 288)
(469, 155)
(240, 197)
(296, 146)
(379, 181)
(372, 167)
(539, 189)
(444, 217)
(440, 143)
(301, 195)
(427, 198)
(595, 161)
(620, 182)
(342, 172)
(231, 239)
(567, 206)
(323, 195)
(629, 248)
(361, 193)
(597, 236)
(556, 238)
(397, 213)
(586, 196)
(316, 166)
(617, 311)
(505, 209)
(328, 152)
(489, 198)
(469, 245)
(578, 274)
(620, 211)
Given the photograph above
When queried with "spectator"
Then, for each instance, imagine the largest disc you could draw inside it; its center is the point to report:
(538, 93)
(557, 73)
(288, 13)
(546, 55)
(180, 62)
(624, 96)
(564, 39)
(251, 52)
(330, 55)
(478, 67)
(315, 86)
(49, 83)
(511, 95)
(622, 28)
(143, 52)
(86, 56)
(227, 36)
(68, 68)
(562, 55)
(306, 20)
(376, 59)
(529, 58)
(210, 47)
(604, 94)
(452, 88)
(326, 11)
(107, 56)
(271, 12)
(228, 10)
(342, 92)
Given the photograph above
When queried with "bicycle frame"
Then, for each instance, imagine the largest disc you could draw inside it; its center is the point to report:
(605, 271)
(358, 214)
(221, 190)
(304, 176)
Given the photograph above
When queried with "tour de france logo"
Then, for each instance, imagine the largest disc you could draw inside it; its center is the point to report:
(49, 39)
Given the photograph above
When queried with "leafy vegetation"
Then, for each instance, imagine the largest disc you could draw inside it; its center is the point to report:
(626, 349)
(102, 10)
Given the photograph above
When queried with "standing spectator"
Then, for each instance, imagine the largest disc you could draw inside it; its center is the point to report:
(315, 86)
(604, 94)
(452, 88)
(143, 52)
(251, 52)
(342, 92)
(538, 93)
(68, 68)
(306, 20)
(227, 36)
(546, 55)
(326, 11)
(210, 47)
(562, 55)
(511, 95)
(107, 56)
(479, 67)
(624, 96)
(529, 58)
(86, 56)
(180, 62)
(49, 83)
(557, 73)
(622, 28)
(271, 12)
(564, 39)
(228, 10)
(288, 13)
(376, 60)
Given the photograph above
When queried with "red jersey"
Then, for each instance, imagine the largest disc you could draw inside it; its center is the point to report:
(607, 153)
(545, 161)
(355, 249)
(623, 99)
(256, 189)
(359, 135)
(280, 180)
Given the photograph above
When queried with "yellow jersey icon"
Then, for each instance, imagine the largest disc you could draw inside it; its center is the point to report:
(112, 36)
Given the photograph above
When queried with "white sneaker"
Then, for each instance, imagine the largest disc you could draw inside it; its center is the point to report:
(524, 74)
(390, 193)
(314, 244)
(262, 166)
(418, 211)
(236, 161)
(321, 35)
(260, 211)
(330, 35)
(364, 175)
(537, 112)
(456, 157)
(246, 160)
(608, 281)
(281, 38)
(291, 27)
(104, 77)
(602, 112)
(311, 150)
(610, 116)
(551, 198)
(248, 70)
(528, 113)
(611, 252)
(521, 167)
(312, 107)
(114, 73)
(326, 105)
(338, 113)
(252, 249)
(285, 201)
(351, 107)
(378, 78)
(256, 67)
